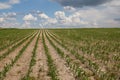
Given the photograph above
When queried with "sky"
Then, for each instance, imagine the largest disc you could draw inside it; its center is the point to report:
(60, 13)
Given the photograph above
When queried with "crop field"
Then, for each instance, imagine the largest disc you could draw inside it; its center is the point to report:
(60, 54)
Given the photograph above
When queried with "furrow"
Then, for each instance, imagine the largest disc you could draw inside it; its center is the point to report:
(73, 63)
(12, 55)
(63, 71)
(21, 66)
(51, 66)
(40, 69)
(7, 47)
(90, 63)
(7, 52)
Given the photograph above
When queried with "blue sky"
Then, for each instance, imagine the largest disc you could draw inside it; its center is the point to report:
(47, 6)
(59, 13)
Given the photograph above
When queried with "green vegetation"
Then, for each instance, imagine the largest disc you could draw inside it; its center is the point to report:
(32, 62)
(14, 47)
(52, 68)
(79, 73)
(11, 36)
(98, 49)
(8, 66)
(90, 54)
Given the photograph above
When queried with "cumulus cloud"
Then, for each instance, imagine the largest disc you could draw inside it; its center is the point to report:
(104, 15)
(73, 20)
(10, 16)
(101, 16)
(29, 17)
(81, 3)
(61, 20)
(60, 15)
(8, 20)
(43, 16)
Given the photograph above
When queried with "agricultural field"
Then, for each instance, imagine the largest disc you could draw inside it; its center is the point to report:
(60, 54)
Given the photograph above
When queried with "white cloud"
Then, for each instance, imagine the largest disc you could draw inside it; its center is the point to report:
(70, 21)
(8, 4)
(10, 14)
(106, 15)
(29, 17)
(60, 15)
(61, 20)
(4, 6)
(43, 16)
(14, 1)
(2, 20)
(69, 8)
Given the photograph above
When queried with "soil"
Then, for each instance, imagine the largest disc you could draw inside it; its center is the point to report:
(20, 68)
(64, 72)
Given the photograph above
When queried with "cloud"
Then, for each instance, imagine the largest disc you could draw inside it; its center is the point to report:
(117, 19)
(81, 3)
(113, 3)
(60, 15)
(61, 20)
(104, 15)
(101, 16)
(43, 16)
(30, 21)
(2, 20)
(14, 1)
(8, 20)
(69, 8)
(8, 4)
(10, 14)
(29, 17)
(4, 6)
(73, 20)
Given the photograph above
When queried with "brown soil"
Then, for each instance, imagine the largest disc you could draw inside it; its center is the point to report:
(11, 56)
(66, 52)
(20, 68)
(86, 56)
(63, 71)
(40, 69)
(6, 49)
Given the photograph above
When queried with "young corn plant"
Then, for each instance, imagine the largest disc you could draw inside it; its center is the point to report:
(14, 47)
(102, 44)
(9, 66)
(32, 62)
(93, 66)
(72, 65)
(52, 68)
(10, 37)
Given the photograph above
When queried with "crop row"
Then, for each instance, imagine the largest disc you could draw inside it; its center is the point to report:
(9, 37)
(9, 66)
(72, 63)
(52, 69)
(90, 64)
(14, 47)
(32, 62)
